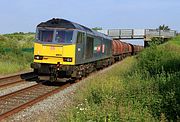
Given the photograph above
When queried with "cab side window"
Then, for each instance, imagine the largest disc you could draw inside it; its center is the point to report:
(80, 37)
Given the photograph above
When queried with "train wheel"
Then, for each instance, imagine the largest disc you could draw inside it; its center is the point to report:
(84, 73)
(53, 74)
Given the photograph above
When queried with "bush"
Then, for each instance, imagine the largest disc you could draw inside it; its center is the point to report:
(12, 52)
(161, 65)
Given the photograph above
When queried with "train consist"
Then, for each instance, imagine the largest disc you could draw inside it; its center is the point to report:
(65, 49)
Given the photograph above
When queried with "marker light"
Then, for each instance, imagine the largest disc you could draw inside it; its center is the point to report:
(67, 59)
(37, 57)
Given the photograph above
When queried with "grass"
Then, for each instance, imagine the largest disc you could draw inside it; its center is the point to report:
(141, 88)
(13, 58)
(9, 67)
(175, 40)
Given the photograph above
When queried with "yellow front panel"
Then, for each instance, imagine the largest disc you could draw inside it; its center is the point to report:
(53, 53)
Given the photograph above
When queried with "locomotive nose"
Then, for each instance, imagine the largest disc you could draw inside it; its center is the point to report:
(49, 50)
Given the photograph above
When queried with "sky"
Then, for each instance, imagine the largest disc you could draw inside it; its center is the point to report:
(24, 15)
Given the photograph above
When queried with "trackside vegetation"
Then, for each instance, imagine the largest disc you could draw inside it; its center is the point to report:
(16, 52)
(141, 88)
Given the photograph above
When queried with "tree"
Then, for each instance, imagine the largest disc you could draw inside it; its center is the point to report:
(97, 28)
(164, 27)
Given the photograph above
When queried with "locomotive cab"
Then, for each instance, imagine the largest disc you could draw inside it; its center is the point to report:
(54, 48)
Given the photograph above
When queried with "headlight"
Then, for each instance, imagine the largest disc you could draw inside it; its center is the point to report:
(67, 59)
(37, 57)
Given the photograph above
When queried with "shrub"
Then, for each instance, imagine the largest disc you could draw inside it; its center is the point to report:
(161, 66)
(12, 51)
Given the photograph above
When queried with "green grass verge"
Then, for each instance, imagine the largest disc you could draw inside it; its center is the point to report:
(175, 40)
(13, 58)
(9, 67)
(141, 88)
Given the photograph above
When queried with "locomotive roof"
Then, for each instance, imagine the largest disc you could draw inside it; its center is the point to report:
(62, 23)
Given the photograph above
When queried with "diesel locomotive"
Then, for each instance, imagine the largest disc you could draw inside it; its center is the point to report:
(64, 49)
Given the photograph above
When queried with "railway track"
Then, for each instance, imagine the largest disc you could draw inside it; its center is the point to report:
(19, 100)
(15, 79)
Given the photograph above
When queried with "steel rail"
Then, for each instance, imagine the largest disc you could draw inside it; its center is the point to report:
(13, 79)
(35, 93)
(10, 83)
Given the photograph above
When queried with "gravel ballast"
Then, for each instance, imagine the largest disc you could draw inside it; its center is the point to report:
(16, 87)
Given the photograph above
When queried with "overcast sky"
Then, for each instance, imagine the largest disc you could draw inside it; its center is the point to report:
(24, 15)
